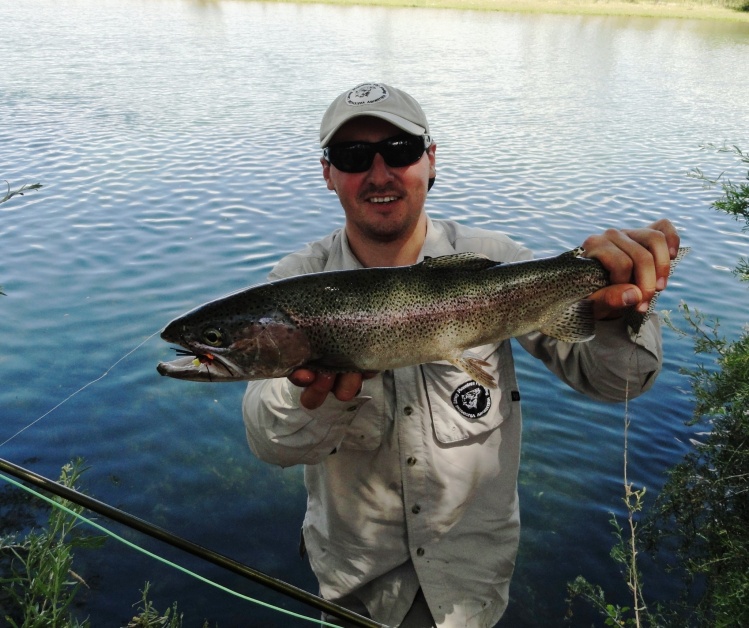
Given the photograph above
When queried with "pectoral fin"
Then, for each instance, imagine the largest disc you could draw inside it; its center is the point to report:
(474, 368)
(575, 325)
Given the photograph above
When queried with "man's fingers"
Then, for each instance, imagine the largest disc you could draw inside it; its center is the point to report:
(302, 377)
(612, 299)
(640, 258)
(317, 386)
(626, 258)
(656, 243)
(347, 385)
(671, 235)
(314, 394)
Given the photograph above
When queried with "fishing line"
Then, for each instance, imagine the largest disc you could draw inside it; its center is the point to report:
(71, 495)
(81, 389)
(167, 537)
(161, 558)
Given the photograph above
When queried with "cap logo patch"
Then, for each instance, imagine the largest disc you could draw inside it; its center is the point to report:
(367, 94)
(472, 400)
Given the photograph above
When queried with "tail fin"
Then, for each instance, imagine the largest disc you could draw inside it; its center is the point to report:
(634, 318)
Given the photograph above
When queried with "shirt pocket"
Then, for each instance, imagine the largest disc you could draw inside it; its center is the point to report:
(462, 409)
(366, 430)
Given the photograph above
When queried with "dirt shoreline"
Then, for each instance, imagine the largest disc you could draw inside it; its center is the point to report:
(635, 8)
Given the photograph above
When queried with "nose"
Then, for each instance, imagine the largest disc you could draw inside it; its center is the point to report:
(173, 332)
(379, 171)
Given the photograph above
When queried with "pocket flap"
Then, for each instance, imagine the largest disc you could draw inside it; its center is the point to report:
(461, 408)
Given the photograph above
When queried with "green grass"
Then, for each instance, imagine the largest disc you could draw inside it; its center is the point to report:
(38, 578)
(38, 585)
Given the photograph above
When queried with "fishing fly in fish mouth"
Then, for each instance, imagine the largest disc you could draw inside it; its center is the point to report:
(198, 360)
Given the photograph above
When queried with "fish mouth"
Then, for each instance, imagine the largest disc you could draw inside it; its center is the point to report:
(200, 367)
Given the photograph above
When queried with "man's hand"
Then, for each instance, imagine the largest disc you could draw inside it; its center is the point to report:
(638, 261)
(345, 386)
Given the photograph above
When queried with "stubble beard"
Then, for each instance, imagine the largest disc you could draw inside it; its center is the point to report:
(392, 228)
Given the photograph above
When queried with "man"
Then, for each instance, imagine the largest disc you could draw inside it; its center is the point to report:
(412, 514)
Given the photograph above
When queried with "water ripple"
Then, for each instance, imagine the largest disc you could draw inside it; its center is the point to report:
(181, 163)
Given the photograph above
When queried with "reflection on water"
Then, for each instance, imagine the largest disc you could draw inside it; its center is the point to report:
(177, 145)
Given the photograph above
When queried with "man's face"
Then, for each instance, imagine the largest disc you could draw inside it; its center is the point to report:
(384, 203)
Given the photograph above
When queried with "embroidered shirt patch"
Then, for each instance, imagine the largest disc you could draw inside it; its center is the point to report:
(472, 400)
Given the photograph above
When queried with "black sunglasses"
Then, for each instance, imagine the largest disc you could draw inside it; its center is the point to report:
(399, 151)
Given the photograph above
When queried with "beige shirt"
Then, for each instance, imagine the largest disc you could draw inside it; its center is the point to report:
(414, 482)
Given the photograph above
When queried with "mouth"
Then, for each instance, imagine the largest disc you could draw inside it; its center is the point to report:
(381, 200)
(381, 195)
(199, 367)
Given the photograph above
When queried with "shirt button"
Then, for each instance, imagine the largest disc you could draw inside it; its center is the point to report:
(408, 410)
(410, 461)
(416, 509)
(420, 551)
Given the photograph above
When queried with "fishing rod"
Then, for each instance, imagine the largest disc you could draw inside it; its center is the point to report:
(131, 521)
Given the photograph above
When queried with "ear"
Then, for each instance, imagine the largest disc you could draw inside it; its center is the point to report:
(326, 173)
(432, 160)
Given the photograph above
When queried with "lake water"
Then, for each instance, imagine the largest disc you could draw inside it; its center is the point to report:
(177, 145)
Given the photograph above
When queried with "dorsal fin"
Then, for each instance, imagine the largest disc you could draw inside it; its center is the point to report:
(576, 252)
(459, 261)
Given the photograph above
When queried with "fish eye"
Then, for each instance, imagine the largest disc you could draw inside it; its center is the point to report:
(213, 336)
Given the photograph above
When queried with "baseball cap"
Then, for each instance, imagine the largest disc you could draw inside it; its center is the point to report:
(378, 100)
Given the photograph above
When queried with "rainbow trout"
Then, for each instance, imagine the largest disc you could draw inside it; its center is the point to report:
(377, 319)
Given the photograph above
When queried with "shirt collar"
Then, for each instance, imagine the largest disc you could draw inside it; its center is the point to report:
(435, 245)
(340, 256)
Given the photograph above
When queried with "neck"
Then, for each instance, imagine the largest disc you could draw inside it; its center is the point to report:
(402, 251)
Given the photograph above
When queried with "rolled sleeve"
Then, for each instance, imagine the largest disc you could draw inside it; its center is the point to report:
(613, 366)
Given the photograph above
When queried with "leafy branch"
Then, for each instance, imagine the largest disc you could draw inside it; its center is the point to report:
(735, 199)
(20, 191)
(625, 552)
